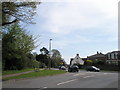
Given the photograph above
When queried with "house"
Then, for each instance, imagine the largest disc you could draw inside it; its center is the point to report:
(96, 57)
(113, 57)
(76, 60)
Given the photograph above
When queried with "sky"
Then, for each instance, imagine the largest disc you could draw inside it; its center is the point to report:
(76, 26)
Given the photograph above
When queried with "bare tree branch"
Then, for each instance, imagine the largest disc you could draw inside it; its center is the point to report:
(6, 23)
(19, 11)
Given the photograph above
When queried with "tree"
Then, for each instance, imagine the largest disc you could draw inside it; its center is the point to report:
(44, 51)
(18, 11)
(56, 53)
(35, 64)
(56, 58)
(17, 45)
(43, 57)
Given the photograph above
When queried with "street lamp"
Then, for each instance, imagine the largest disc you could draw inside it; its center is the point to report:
(50, 53)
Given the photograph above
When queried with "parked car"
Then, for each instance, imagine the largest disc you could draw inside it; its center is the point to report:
(62, 68)
(92, 68)
(73, 68)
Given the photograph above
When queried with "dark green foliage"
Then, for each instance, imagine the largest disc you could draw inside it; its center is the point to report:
(110, 67)
(17, 44)
(44, 51)
(99, 62)
(45, 59)
(42, 58)
(16, 48)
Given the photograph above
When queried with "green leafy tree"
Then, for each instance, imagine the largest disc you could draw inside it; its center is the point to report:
(18, 11)
(35, 64)
(56, 58)
(42, 58)
(56, 53)
(17, 45)
(44, 51)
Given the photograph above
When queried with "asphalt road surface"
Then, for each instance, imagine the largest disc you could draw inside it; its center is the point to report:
(82, 79)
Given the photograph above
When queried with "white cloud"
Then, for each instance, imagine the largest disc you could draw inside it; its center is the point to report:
(65, 17)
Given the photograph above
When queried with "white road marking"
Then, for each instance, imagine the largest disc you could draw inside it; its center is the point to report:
(44, 87)
(92, 72)
(88, 76)
(78, 74)
(66, 82)
(105, 73)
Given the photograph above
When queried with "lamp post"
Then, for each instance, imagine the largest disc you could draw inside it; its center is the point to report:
(50, 53)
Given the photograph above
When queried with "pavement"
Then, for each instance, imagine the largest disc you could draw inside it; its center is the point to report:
(82, 79)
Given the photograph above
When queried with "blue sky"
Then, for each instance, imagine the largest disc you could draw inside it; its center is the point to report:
(77, 26)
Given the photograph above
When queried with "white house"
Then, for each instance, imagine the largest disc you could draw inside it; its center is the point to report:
(76, 60)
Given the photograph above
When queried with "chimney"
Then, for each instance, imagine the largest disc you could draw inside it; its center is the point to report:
(97, 52)
(77, 54)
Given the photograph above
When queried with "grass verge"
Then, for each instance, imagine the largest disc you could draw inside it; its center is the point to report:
(36, 74)
(15, 71)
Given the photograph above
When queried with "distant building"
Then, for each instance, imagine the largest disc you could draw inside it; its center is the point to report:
(113, 57)
(96, 57)
(76, 60)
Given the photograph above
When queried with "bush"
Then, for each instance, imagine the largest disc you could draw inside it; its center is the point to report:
(35, 64)
(99, 62)
(88, 62)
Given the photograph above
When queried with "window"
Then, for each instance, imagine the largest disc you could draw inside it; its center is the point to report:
(112, 56)
(108, 56)
(116, 55)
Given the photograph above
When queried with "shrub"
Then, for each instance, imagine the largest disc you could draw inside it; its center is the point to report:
(88, 62)
(35, 64)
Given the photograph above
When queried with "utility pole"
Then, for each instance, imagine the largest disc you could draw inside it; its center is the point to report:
(50, 53)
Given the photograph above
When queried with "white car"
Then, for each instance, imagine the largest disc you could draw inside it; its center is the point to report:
(62, 68)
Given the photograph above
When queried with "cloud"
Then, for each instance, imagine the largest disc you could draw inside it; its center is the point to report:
(79, 25)
(66, 17)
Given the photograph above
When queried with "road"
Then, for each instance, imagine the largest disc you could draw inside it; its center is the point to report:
(82, 79)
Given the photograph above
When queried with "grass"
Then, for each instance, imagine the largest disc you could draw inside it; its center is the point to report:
(36, 74)
(16, 71)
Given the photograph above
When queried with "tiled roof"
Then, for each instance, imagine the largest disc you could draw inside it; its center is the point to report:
(114, 52)
(97, 55)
